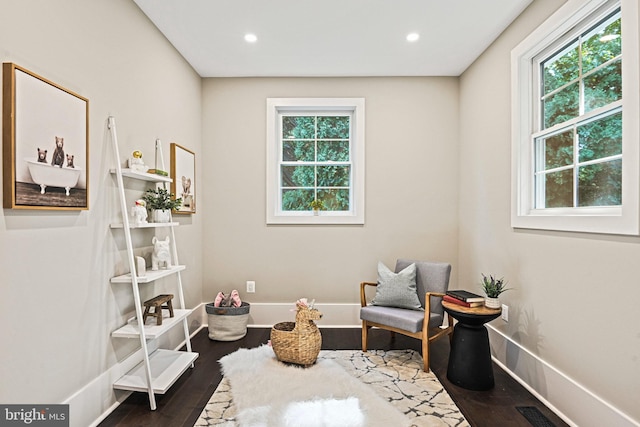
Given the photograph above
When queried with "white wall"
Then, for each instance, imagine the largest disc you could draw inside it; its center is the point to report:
(411, 189)
(575, 302)
(58, 306)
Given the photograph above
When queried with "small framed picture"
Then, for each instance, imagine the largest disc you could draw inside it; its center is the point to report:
(183, 173)
(45, 142)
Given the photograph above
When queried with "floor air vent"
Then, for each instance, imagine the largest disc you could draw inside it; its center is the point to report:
(534, 416)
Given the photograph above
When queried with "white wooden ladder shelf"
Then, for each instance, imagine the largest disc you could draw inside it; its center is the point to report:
(159, 368)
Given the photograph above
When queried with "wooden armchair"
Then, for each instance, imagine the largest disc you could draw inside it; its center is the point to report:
(432, 282)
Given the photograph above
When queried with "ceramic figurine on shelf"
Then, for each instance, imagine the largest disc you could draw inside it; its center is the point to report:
(139, 212)
(136, 163)
(161, 253)
(141, 267)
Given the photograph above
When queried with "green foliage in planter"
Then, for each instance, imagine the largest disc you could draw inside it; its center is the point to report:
(161, 199)
(493, 287)
(317, 204)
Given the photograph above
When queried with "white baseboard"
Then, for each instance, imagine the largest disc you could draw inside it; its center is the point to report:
(90, 405)
(265, 315)
(571, 401)
(575, 404)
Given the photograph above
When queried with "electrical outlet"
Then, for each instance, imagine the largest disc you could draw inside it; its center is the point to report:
(251, 286)
(505, 312)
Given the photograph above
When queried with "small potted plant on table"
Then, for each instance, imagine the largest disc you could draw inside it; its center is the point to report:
(493, 287)
(160, 201)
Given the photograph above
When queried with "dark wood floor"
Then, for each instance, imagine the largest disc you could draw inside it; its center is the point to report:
(183, 403)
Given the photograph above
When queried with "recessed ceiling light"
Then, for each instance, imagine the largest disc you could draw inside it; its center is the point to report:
(413, 37)
(250, 38)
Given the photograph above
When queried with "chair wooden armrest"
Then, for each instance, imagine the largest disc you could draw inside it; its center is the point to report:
(427, 310)
(435, 294)
(427, 302)
(363, 298)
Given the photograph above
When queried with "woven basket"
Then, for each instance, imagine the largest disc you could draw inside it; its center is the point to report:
(228, 323)
(300, 348)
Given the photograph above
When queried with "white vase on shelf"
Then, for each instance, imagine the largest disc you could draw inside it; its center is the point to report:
(163, 215)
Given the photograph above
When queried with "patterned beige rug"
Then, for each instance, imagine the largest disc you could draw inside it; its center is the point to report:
(396, 376)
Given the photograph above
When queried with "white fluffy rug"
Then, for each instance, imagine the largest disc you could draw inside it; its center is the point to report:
(344, 388)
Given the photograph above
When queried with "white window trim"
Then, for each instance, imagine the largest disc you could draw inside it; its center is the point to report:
(275, 215)
(610, 220)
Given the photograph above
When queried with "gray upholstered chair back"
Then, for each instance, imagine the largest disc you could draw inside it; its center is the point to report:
(430, 277)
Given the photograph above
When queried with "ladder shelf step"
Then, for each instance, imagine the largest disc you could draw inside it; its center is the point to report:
(166, 368)
(151, 329)
(147, 225)
(130, 173)
(149, 276)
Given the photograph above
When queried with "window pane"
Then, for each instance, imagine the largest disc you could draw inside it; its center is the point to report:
(335, 200)
(293, 151)
(558, 151)
(601, 45)
(603, 87)
(562, 106)
(333, 127)
(298, 127)
(333, 176)
(559, 189)
(334, 151)
(297, 176)
(600, 138)
(600, 184)
(560, 69)
(296, 200)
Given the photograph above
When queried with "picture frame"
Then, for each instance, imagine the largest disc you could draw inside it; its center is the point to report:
(183, 174)
(45, 143)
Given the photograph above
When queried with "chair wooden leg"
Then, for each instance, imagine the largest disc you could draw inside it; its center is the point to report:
(365, 329)
(425, 354)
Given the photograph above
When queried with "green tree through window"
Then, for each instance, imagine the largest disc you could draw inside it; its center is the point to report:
(579, 149)
(316, 162)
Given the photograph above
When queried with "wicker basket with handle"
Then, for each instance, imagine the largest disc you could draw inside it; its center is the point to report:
(298, 342)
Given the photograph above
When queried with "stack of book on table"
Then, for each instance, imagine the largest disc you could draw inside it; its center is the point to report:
(464, 298)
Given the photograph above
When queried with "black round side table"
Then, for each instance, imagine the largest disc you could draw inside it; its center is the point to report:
(470, 356)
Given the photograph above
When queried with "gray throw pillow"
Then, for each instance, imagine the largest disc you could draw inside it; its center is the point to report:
(397, 289)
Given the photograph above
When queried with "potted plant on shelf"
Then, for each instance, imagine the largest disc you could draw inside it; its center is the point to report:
(317, 206)
(493, 287)
(160, 201)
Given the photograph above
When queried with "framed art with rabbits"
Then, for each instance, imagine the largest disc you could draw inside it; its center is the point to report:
(45, 143)
(183, 172)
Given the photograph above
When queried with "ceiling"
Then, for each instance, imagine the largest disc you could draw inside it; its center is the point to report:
(300, 38)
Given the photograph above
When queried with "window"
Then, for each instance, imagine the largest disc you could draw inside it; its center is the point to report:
(578, 151)
(575, 114)
(315, 153)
